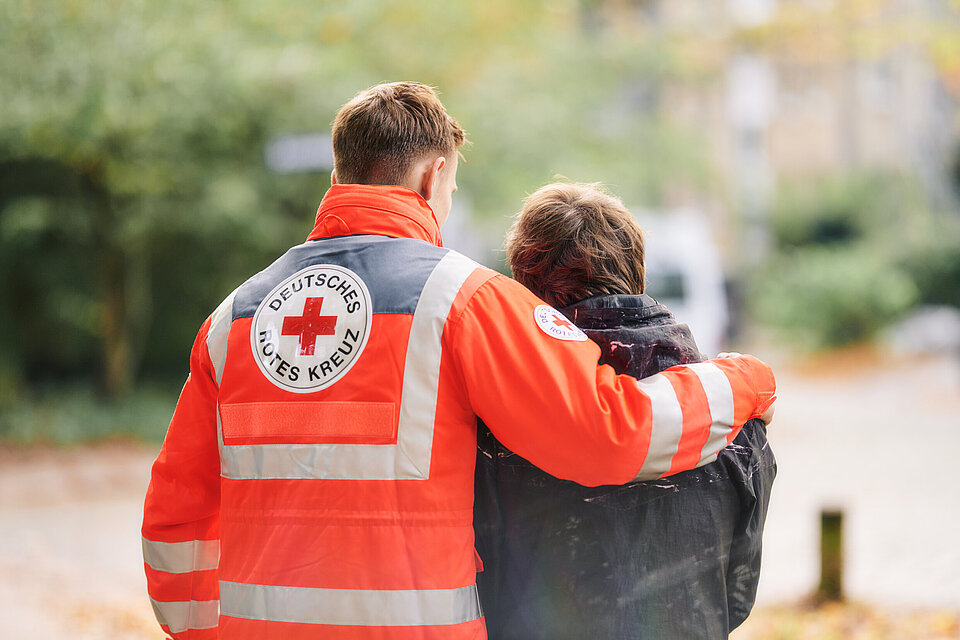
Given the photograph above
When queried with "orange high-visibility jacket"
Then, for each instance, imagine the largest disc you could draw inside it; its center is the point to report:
(316, 480)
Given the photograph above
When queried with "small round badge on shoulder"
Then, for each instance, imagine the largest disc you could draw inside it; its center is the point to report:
(311, 328)
(556, 325)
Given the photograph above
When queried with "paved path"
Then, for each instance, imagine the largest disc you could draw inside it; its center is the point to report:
(70, 555)
(878, 439)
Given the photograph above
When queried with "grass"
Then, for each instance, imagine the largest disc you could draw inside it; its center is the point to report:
(75, 414)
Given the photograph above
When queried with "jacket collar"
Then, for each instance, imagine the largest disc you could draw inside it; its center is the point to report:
(383, 210)
(607, 311)
(636, 334)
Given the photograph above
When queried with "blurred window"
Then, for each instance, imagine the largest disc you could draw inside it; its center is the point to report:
(666, 286)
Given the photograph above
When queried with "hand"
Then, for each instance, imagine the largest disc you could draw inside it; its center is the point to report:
(767, 417)
(729, 354)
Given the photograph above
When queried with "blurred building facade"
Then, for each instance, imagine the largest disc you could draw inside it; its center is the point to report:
(784, 89)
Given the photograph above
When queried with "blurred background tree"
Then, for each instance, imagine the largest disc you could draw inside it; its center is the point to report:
(134, 191)
(851, 254)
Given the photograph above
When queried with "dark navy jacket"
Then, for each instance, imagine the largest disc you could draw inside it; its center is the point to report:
(672, 559)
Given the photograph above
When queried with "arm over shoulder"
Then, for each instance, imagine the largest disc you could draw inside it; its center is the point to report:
(544, 396)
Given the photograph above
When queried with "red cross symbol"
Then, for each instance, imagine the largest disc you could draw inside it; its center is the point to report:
(560, 321)
(308, 326)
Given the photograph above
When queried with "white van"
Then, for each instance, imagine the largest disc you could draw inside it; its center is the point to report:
(684, 273)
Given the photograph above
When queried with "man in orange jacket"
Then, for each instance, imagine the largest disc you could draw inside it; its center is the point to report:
(316, 480)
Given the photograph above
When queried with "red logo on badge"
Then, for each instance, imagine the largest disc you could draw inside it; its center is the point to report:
(554, 324)
(310, 325)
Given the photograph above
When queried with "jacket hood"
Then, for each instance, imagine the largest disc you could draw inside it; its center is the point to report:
(636, 334)
(373, 209)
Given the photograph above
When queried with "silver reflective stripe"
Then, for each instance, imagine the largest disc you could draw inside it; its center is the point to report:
(182, 557)
(720, 400)
(421, 371)
(350, 607)
(409, 459)
(190, 614)
(220, 321)
(666, 426)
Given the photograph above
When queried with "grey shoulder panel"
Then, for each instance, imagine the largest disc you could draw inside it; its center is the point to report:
(393, 269)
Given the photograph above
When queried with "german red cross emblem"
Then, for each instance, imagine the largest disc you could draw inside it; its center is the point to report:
(309, 326)
(556, 325)
(309, 331)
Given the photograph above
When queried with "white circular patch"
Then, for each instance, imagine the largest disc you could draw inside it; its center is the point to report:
(313, 326)
(555, 324)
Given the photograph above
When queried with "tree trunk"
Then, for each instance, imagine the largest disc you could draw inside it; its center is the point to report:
(117, 373)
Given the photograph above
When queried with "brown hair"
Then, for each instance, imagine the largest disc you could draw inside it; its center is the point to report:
(573, 241)
(381, 131)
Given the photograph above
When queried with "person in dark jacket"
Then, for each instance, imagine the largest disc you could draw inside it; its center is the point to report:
(676, 558)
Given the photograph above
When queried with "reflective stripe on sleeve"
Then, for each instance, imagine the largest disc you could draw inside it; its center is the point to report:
(720, 399)
(182, 557)
(666, 426)
(409, 458)
(350, 607)
(190, 614)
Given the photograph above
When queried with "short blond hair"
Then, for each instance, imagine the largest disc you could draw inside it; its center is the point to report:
(380, 132)
(574, 240)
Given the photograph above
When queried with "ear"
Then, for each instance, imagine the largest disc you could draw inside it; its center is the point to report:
(429, 177)
(333, 177)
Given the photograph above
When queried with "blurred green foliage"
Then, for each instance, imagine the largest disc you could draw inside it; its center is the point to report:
(133, 191)
(74, 414)
(826, 296)
(852, 254)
